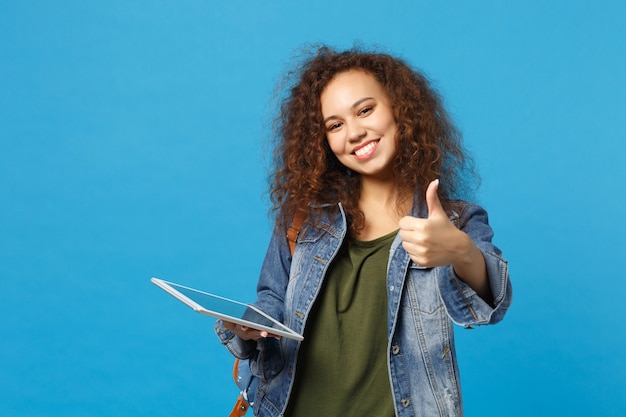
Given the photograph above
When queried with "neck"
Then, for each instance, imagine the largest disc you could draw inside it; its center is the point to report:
(381, 191)
(383, 207)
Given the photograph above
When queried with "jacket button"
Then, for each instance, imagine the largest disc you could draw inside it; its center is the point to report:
(395, 349)
(406, 402)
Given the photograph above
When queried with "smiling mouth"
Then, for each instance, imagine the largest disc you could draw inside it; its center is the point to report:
(366, 149)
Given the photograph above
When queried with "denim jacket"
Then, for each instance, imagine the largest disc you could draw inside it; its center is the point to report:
(422, 305)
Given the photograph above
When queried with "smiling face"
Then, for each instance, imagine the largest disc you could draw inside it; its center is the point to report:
(359, 123)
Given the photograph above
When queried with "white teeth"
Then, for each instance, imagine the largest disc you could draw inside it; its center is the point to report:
(366, 149)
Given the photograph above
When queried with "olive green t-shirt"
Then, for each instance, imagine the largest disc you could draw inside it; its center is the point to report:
(342, 364)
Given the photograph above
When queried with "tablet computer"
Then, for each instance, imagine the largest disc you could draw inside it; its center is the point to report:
(226, 309)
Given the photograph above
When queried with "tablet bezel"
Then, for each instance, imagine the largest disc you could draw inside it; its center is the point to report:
(282, 330)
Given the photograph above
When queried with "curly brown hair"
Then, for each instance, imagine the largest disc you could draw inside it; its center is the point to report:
(306, 174)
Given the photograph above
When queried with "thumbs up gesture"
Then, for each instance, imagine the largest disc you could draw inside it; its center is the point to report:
(433, 241)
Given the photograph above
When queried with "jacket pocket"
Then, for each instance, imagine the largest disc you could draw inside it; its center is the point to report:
(421, 290)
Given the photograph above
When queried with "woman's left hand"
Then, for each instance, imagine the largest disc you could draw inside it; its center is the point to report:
(434, 241)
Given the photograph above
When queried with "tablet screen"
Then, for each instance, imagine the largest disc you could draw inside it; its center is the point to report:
(226, 309)
(224, 306)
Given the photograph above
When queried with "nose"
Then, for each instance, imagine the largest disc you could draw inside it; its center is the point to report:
(355, 131)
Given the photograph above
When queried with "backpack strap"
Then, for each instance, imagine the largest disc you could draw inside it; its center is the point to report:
(240, 409)
(294, 230)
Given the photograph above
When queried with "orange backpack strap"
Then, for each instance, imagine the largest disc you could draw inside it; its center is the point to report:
(240, 409)
(236, 370)
(294, 230)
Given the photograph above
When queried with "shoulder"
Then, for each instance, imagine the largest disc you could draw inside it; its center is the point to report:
(324, 219)
(472, 219)
(461, 211)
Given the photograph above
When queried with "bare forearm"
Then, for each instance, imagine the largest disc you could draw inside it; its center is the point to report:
(471, 268)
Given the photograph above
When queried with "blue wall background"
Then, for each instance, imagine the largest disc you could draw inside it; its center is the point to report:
(132, 145)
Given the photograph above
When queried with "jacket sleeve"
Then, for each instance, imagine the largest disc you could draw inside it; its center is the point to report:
(464, 306)
(271, 287)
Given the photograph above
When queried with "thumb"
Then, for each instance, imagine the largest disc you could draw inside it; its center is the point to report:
(432, 200)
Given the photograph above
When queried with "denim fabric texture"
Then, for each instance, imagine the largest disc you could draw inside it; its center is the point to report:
(423, 304)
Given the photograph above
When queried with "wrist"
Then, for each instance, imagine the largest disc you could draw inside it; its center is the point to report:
(470, 267)
(466, 253)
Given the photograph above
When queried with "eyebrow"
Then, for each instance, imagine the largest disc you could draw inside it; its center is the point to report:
(355, 105)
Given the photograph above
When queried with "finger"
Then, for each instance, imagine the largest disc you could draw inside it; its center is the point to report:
(229, 325)
(432, 200)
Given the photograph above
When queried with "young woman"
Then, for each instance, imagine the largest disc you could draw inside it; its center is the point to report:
(388, 256)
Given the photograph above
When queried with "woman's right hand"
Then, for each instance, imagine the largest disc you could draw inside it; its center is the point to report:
(247, 333)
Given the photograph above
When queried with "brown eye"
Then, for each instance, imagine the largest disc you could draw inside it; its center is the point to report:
(365, 111)
(333, 126)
